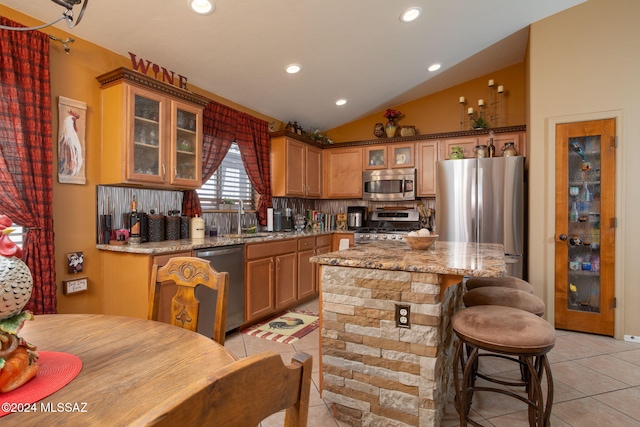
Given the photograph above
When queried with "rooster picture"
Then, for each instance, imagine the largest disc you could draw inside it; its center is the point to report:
(69, 146)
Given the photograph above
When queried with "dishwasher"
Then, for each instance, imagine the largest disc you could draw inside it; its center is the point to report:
(231, 260)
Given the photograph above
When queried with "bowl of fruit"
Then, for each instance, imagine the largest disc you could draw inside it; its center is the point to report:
(420, 240)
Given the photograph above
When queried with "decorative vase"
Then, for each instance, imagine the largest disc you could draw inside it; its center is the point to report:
(378, 130)
(390, 129)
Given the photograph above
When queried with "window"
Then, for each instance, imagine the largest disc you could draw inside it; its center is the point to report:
(229, 181)
(17, 235)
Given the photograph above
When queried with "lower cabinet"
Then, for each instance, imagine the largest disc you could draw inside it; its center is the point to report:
(270, 277)
(126, 278)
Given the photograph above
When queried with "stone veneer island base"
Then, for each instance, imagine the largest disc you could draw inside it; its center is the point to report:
(374, 372)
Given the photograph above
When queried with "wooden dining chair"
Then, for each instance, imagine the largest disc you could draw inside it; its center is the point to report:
(187, 273)
(243, 394)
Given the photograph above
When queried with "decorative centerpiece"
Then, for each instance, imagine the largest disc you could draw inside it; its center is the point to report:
(421, 239)
(392, 126)
(18, 359)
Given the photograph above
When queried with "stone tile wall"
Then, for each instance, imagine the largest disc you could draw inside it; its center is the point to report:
(375, 373)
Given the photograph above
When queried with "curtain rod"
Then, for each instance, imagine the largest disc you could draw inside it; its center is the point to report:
(65, 43)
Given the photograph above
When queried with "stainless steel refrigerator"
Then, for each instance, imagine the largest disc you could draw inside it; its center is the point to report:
(482, 200)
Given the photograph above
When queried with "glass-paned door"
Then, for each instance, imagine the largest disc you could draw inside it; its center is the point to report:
(585, 218)
(186, 147)
(147, 144)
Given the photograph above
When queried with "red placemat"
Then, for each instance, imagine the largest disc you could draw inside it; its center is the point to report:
(56, 370)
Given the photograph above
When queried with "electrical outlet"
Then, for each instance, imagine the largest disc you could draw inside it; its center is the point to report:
(74, 286)
(403, 313)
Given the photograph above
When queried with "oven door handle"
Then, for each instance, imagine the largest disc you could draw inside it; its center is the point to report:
(403, 187)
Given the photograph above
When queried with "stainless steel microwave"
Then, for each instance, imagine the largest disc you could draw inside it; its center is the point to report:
(389, 184)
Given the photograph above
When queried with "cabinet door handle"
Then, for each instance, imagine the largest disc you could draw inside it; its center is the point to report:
(563, 237)
(278, 266)
(164, 172)
(271, 265)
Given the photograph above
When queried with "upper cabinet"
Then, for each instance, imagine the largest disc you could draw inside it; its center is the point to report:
(427, 154)
(342, 173)
(469, 144)
(296, 168)
(151, 132)
(389, 156)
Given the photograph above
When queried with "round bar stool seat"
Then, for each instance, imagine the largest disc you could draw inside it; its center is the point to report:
(504, 281)
(511, 333)
(508, 297)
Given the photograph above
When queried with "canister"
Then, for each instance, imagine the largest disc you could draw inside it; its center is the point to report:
(185, 225)
(172, 227)
(156, 227)
(197, 228)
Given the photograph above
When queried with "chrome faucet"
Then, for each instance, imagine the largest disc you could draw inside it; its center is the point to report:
(240, 212)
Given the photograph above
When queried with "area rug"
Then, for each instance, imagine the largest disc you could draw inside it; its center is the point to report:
(286, 328)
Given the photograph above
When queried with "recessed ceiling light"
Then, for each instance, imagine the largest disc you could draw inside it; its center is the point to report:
(292, 68)
(434, 67)
(341, 101)
(201, 7)
(410, 14)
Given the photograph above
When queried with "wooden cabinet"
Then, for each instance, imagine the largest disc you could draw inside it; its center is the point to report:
(389, 156)
(151, 133)
(126, 278)
(342, 173)
(308, 273)
(519, 140)
(585, 226)
(296, 168)
(427, 156)
(270, 277)
(469, 143)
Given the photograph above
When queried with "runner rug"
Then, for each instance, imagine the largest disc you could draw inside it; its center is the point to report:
(286, 328)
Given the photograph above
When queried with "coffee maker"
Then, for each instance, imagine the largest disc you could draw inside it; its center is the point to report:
(356, 217)
(287, 219)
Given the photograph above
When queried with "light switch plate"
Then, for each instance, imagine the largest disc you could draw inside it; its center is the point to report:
(74, 286)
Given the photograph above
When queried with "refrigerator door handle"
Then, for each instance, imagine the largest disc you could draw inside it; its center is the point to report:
(480, 205)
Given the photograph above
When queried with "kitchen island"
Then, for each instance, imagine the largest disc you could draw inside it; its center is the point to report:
(373, 371)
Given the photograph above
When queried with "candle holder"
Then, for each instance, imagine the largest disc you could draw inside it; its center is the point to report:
(462, 102)
(495, 107)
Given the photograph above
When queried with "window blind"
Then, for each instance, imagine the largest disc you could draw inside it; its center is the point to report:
(229, 181)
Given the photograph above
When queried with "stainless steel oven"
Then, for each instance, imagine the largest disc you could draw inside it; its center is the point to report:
(389, 184)
(386, 224)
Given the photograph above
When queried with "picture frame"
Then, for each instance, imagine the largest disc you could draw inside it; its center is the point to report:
(75, 262)
(72, 120)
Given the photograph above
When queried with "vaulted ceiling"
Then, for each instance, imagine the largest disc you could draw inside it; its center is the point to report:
(357, 50)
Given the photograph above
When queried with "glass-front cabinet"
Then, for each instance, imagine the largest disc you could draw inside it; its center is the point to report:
(585, 221)
(389, 156)
(152, 132)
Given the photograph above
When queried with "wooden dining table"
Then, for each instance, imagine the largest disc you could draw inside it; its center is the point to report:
(129, 367)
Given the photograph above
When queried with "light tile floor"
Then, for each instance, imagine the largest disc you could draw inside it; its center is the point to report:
(596, 381)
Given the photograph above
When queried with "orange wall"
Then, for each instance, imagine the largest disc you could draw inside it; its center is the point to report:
(440, 112)
(74, 206)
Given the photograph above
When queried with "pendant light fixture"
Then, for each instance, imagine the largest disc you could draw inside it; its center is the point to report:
(67, 16)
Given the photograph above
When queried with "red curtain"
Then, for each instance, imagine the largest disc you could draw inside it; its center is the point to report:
(253, 141)
(26, 154)
(221, 126)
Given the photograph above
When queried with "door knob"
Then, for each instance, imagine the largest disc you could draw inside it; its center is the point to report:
(563, 237)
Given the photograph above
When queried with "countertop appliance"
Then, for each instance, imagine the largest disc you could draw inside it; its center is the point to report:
(356, 217)
(231, 260)
(482, 200)
(389, 184)
(386, 224)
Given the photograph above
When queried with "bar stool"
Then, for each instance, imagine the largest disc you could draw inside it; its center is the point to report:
(504, 281)
(508, 297)
(511, 333)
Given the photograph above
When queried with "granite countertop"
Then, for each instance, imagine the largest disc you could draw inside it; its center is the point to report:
(167, 246)
(458, 258)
